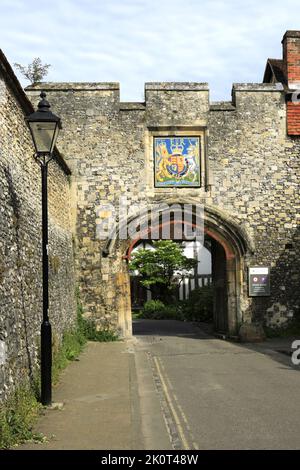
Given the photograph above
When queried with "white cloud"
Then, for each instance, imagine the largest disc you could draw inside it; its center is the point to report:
(134, 41)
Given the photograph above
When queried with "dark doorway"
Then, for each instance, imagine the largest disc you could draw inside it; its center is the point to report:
(214, 273)
(219, 277)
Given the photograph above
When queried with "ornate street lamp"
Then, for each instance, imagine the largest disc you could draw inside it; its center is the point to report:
(44, 127)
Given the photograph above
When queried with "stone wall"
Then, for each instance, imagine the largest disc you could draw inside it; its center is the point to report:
(251, 177)
(255, 167)
(20, 243)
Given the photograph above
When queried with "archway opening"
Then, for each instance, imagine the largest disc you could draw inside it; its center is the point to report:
(215, 268)
(228, 245)
(200, 276)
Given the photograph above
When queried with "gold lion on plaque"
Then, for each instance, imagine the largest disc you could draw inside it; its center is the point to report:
(162, 171)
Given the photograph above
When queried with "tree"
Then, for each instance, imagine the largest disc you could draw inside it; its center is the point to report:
(35, 71)
(162, 268)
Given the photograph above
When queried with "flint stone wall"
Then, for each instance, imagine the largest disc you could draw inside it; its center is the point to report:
(20, 248)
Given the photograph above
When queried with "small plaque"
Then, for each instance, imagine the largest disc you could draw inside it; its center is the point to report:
(259, 281)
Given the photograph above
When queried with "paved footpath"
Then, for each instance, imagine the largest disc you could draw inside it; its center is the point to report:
(99, 409)
(173, 386)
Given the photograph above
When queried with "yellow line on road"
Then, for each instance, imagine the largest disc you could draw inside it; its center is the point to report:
(183, 415)
(172, 409)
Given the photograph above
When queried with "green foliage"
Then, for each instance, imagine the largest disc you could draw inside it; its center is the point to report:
(104, 334)
(72, 344)
(157, 310)
(70, 348)
(163, 266)
(199, 306)
(88, 329)
(136, 314)
(152, 309)
(17, 416)
(172, 312)
(34, 72)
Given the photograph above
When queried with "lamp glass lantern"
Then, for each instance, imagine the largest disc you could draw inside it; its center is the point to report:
(44, 127)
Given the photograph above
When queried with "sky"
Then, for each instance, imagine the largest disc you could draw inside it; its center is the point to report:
(138, 41)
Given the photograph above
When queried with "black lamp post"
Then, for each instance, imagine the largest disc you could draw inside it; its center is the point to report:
(44, 127)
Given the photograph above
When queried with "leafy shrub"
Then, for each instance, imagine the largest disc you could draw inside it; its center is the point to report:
(92, 333)
(71, 346)
(87, 329)
(199, 306)
(153, 309)
(157, 310)
(172, 311)
(34, 72)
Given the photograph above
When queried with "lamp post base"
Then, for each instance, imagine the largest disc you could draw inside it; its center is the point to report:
(46, 363)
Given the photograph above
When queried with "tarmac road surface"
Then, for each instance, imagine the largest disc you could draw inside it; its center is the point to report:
(199, 392)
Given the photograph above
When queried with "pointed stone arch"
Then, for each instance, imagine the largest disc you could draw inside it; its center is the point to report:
(231, 244)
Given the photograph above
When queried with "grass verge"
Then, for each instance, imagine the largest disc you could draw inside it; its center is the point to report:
(17, 416)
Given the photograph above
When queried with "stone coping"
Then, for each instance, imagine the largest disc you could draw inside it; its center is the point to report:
(69, 86)
(176, 86)
(261, 87)
(291, 34)
(153, 86)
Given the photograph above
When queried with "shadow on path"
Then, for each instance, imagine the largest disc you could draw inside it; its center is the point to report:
(176, 328)
(279, 349)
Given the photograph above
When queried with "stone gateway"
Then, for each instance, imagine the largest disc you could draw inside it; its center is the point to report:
(239, 160)
(248, 183)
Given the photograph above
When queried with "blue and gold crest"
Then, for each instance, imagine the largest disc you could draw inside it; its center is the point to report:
(177, 161)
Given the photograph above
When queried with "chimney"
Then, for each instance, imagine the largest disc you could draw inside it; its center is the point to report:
(291, 59)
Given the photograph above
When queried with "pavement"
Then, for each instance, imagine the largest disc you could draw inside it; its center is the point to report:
(99, 405)
(175, 386)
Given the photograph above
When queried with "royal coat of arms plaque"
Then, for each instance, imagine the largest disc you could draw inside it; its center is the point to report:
(177, 161)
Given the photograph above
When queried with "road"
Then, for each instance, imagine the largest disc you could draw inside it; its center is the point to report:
(199, 392)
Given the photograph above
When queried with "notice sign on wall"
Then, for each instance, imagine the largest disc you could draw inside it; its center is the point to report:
(259, 281)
